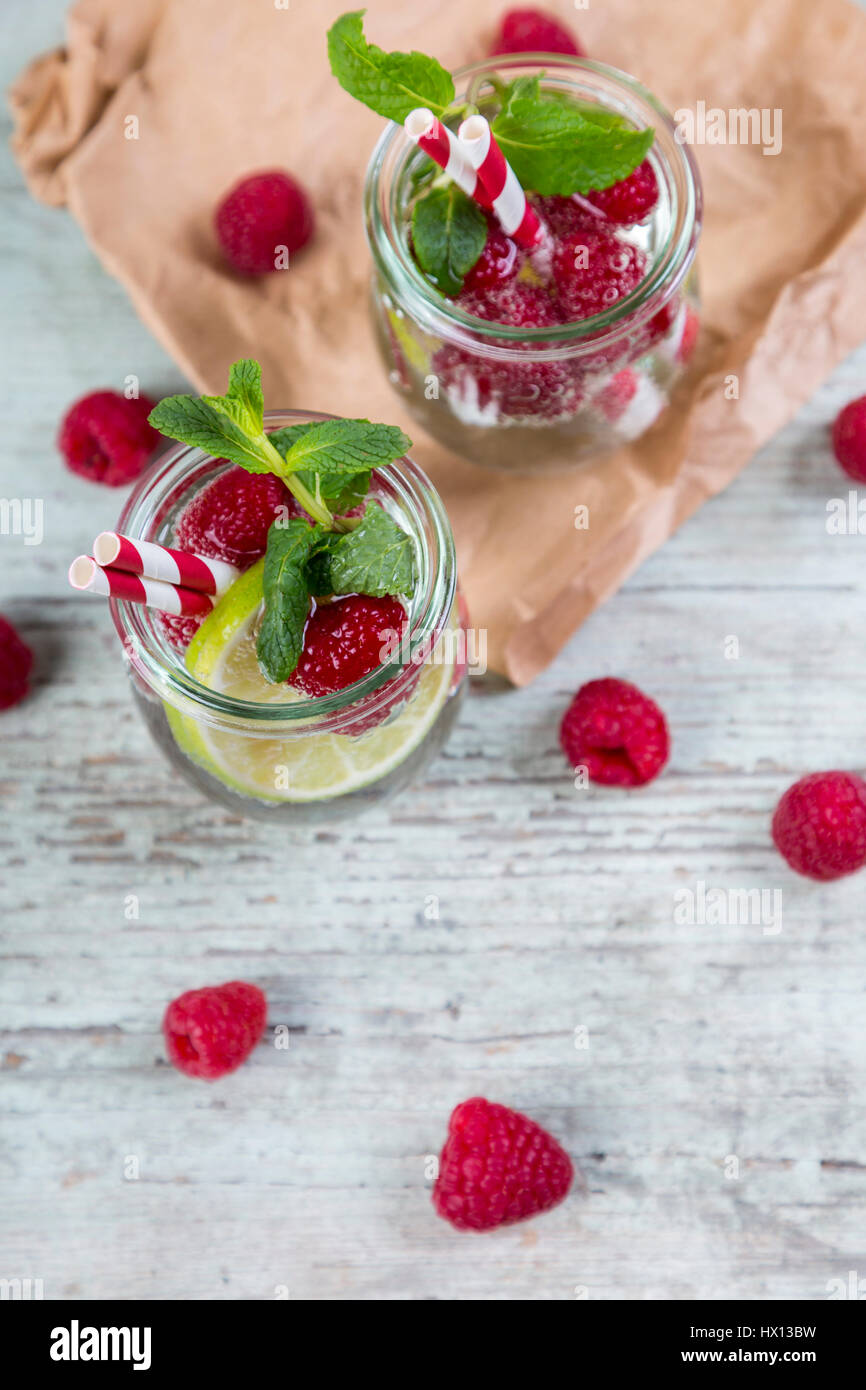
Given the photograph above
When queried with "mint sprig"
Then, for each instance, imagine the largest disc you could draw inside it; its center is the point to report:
(555, 145)
(328, 465)
(376, 558)
(392, 84)
(320, 463)
(554, 148)
(449, 232)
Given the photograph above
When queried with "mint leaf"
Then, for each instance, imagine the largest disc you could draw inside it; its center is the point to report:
(608, 120)
(553, 148)
(338, 493)
(243, 403)
(345, 448)
(526, 87)
(203, 424)
(449, 231)
(284, 438)
(377, 558)
(531, 87)
(392, 84)
(280, 639)
(319, 580)
(245, 386)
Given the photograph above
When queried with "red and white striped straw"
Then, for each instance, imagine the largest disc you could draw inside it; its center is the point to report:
(158, 562)
(499, 182)
(85, 574)
(442, 145)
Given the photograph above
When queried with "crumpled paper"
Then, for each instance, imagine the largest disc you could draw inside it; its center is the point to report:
(220, 90)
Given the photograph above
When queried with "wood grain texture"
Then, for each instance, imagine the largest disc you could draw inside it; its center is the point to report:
(556, 913)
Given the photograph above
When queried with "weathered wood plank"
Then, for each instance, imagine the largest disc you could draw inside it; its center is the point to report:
(556, 913)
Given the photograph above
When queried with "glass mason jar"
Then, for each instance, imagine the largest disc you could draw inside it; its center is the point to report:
(290, 758)
(608, 377)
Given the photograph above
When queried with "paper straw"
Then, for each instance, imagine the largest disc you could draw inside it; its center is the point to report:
(429, 134)
(499, 183)
(85, 574)
(158, 562)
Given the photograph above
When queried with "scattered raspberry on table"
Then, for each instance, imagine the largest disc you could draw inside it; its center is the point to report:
(230, 518)
(616, 732)
(210, 1032)
(106, 437)
(16, 662)
(820, 825)
(258, 217)
(498, 1167)
(849, 439)
(534, 31)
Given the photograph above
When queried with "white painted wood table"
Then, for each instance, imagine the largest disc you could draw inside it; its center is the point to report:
(714, 1093)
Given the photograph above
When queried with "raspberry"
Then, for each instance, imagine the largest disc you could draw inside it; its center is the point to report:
(498, 1167)
(630, 200)
(520, 390)
(820, 825)
(630, 402)
(512, 302)
(593, 269)
(180, 631)
(673, 329)
(616, 732)
(849, 439)
(660, 324)
(498, 262)
(563, 215)
(230, 517)
(343, 642)
(16, 660)
(105, 437)
(211, 1031)
(689, 339)
(618, 394)
(533, 31)
(261, 214)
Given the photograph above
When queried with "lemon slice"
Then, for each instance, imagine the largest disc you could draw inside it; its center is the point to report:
(299, 764)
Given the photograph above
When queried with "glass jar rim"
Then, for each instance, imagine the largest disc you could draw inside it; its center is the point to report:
(426, 304)
(418, 502)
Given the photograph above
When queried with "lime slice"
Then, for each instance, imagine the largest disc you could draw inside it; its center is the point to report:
(414, 353)
(302, 765)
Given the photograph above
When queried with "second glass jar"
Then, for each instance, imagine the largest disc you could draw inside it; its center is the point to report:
(540, 398)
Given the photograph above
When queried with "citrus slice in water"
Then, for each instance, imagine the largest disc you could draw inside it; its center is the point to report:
(300, 764)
